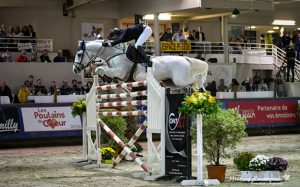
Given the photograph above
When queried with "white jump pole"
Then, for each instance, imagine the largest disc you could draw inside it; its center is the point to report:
(199, 181)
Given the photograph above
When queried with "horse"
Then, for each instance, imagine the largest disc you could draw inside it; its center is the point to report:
(182, 70)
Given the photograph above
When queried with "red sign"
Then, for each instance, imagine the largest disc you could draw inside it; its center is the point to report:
(266, 112)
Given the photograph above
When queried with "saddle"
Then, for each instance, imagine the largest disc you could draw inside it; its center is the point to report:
(133, 55)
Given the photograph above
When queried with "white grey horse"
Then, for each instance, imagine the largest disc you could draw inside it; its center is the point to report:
(183, 71)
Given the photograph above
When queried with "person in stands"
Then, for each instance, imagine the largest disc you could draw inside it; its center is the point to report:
(39, 88)
(53, 88)
(65, 89)
(5, 90)
(44, 57)
(140, 33)
(59, 57)
(24, 92)
(290, 61)
(22, 57)
(6, 57)
(179, 37)
(167, 36)
(222, 87)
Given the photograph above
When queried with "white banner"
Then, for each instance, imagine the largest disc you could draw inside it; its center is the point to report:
(58, 118)
(90, 31)
(24, 46)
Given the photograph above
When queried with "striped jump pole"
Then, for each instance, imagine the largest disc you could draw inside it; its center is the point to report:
(122, 145)
(121, 85)
(130, 143)
(121, 103)
(123, 113)
(122, 95)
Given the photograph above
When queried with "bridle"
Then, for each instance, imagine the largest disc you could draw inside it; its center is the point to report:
(82, 46)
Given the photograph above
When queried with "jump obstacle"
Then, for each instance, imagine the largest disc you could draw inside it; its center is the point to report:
(155, 123)
(96, 100)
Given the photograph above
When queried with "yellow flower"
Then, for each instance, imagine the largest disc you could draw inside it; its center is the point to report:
(211, 99)
(189, 100)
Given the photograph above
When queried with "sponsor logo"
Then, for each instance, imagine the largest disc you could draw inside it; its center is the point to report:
(50, 119)
(9, 125)
(175, 122)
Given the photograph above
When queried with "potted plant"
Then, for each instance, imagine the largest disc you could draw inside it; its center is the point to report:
(261, 168)
(107, 153)
(221, 132)
(222, 129)
(242, 160)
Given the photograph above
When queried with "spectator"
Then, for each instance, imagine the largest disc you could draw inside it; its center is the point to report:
(22, 57)
(279, 86)
(222, 87)
(286, 40)
(248, 83)
(200, 36)
(297, 45)
(17, 32)
(6, 57)
(81, 87)
(167, 36)
(178, 37)
(89, 85)
(3, 31)
(44, 57)
(25, 31)
(11, 31)
(39, 88)
(192, 35)
(5, 90)
(256, 80)
(263, 86)
(234, 85)
(31, 81)
(31, 31)
(53, 88)
(212, 88)
(65, 89)
(59, 57)
(34, 57)
(75, 88)
(290, 60)
(24, 92)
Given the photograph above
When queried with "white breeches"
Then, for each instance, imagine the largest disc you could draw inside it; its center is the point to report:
(143, 37)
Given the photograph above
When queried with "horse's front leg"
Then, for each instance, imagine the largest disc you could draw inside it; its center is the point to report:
(111, 72)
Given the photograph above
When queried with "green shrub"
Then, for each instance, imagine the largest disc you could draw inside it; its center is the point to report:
(242, 160)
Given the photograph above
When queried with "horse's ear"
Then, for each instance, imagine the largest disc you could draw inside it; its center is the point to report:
(82, 45)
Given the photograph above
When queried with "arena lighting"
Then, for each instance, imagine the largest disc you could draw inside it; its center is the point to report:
(283, 22)
(298, 28)
(270, 31)
(275, 28)
(235, 12)
(163, 16)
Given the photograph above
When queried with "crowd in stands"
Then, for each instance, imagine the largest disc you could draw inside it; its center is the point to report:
(32, 57)
(16, 31)
(37, 88)
(178, 36)
(255, 83)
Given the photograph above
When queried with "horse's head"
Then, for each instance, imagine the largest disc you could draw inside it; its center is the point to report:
(87, 53)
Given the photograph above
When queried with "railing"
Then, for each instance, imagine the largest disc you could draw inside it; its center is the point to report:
(25, 43)
(200, 49)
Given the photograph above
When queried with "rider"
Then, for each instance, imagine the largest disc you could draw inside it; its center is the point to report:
(140, 33)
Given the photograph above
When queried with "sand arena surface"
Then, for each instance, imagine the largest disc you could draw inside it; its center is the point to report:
(53, 167)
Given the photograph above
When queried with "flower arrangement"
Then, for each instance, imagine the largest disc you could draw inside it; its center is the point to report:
(242, 160)
(108, 153)
(249, 161)
(199, 102)
(277, 163)
(78, 107)
(258, 163)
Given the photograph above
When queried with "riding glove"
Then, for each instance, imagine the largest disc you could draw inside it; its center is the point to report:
(106, 44)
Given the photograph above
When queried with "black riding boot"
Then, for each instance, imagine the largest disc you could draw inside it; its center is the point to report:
(144, 56)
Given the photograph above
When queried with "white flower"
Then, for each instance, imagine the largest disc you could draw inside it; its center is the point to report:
(258, 163)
